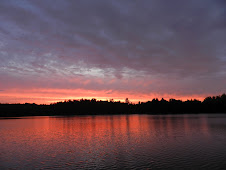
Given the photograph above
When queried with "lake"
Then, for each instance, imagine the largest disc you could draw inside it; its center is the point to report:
(114, 142)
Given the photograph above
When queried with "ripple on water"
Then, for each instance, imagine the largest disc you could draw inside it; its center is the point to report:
(114, 142)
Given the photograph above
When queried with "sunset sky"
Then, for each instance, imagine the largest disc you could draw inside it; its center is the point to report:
(52, 50)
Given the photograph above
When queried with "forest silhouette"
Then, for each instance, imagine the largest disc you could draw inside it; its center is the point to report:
(214, 104)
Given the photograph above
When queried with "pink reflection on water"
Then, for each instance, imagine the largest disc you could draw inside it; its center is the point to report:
(93, 141)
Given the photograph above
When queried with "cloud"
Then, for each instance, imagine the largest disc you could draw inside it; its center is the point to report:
(149, 46)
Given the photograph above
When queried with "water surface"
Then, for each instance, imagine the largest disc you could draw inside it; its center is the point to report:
(114, 142)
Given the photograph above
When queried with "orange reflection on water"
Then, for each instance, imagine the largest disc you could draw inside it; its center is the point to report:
(90, 140)
(106, 126)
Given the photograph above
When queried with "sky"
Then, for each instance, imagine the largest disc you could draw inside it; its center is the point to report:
(55, 50)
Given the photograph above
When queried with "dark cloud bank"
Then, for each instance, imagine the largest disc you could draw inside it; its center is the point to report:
(178, 46)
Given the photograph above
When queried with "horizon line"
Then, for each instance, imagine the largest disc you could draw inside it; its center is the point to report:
(121, 101)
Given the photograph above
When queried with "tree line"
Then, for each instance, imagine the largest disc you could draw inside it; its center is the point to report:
(214, 104)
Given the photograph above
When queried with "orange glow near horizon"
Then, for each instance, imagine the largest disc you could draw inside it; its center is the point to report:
(47, 96)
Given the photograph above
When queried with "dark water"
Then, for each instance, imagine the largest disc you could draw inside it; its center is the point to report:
(114, 142)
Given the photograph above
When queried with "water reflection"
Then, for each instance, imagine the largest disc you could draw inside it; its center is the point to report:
(124, 141)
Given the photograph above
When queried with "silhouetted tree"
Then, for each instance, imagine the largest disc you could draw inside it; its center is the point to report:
(214, 104)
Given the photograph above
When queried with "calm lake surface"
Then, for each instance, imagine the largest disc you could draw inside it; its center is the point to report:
(114, 142)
